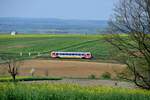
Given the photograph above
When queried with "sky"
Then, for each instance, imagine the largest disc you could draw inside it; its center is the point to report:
(63, 9)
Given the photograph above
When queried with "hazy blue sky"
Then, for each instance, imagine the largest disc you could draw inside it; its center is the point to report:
(64, 9)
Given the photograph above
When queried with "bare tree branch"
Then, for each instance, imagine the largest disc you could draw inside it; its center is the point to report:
(132, 17)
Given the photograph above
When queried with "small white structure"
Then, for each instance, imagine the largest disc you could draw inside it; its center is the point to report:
(32, 71)
(13, 33)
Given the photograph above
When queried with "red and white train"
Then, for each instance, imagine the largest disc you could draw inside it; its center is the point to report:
(85, 55)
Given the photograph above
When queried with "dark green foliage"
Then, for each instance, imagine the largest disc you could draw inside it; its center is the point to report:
(106, 75)
(8, 79)
(92, 76)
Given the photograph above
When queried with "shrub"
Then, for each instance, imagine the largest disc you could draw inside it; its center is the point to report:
(106, 75)
(92, 76)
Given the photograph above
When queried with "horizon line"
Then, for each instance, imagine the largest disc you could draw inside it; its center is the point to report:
(56, 18)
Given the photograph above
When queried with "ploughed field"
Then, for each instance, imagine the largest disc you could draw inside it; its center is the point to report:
(43, 44)
(69, 69)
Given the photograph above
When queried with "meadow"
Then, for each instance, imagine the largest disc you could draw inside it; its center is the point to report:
(44, 43)
(45, 91)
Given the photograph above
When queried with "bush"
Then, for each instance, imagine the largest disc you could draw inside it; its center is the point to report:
(92, 76)
(106, 75)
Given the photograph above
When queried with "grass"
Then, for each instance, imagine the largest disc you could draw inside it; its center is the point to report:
(34, 43)
(27, 78)
(45, 91)
(38, 43)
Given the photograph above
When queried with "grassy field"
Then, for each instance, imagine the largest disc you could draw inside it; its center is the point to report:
(44, 91)
(43, 44)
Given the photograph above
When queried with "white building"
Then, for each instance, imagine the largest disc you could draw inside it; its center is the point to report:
(13, 33)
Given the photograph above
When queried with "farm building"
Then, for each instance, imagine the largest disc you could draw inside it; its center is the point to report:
(13, 33)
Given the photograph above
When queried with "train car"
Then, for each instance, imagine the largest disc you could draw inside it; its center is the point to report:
(84, 55)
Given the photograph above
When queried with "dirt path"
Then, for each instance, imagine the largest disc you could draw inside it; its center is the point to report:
(69, 68)
(90, 82)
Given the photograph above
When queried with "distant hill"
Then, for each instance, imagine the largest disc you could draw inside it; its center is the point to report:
(51, 25)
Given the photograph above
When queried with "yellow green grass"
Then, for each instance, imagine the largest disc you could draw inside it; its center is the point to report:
(46, 91)
(49, 35)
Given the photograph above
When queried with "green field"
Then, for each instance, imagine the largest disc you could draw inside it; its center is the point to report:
(45, 91)
(43, 44)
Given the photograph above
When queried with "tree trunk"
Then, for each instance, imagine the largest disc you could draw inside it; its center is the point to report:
(14, 77)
